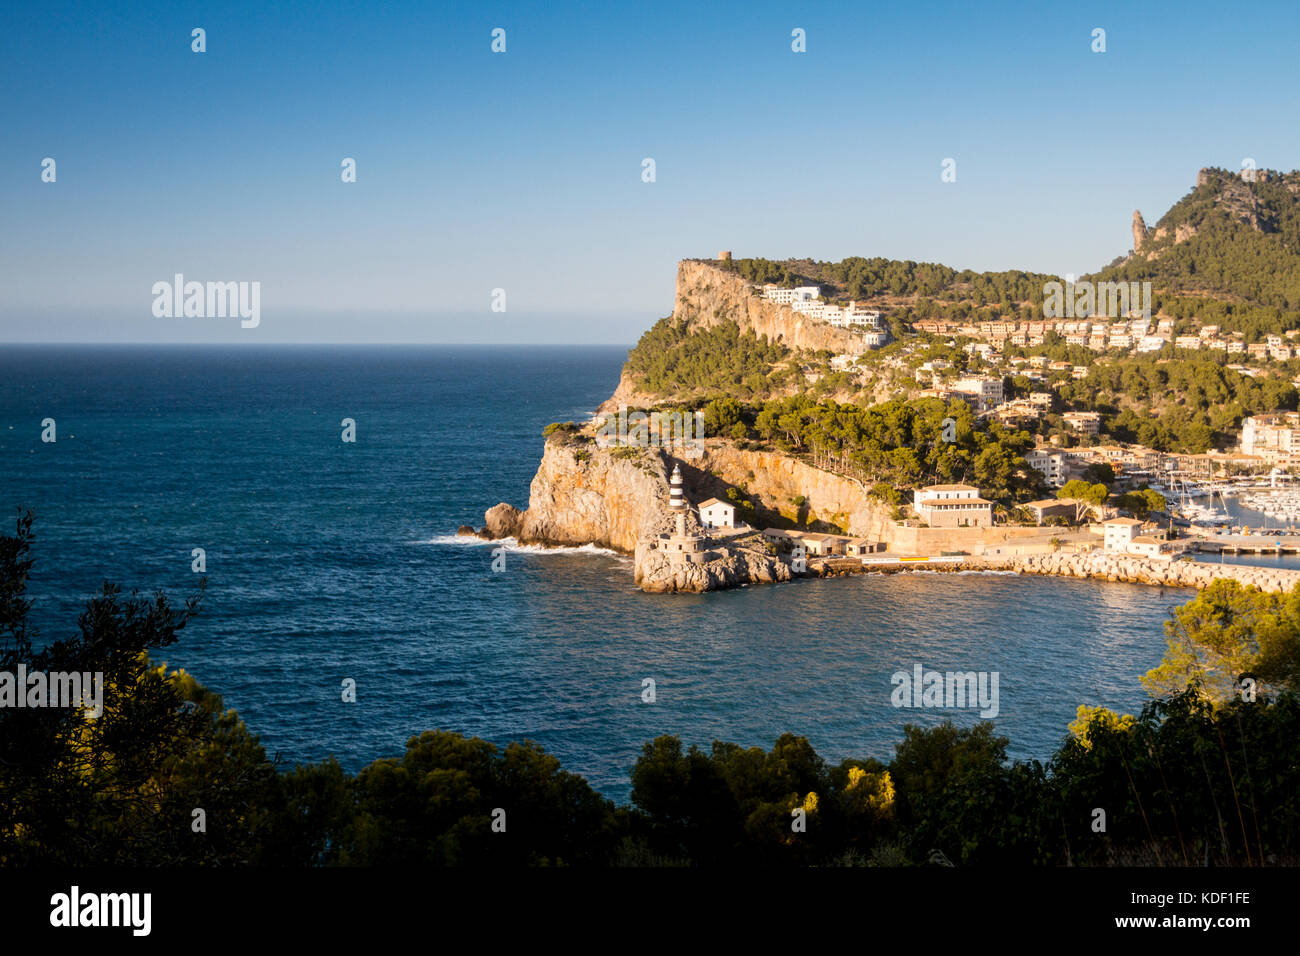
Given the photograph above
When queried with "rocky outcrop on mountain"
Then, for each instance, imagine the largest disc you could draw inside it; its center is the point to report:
(1182, 233)
(1236, 198)
(1231, 194)
(1139, 231)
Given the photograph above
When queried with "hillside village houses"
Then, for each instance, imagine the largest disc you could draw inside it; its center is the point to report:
(1100, 333)
(987, 390)
(1051, 462)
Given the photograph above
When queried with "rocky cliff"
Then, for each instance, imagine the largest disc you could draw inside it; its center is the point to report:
(655, 570)
(615, 496)
(618, 498)
(707, 296)
(776, 482)
(1139, 231)
(582, 494)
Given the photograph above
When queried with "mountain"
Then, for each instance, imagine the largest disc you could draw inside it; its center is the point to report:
(1234, 237)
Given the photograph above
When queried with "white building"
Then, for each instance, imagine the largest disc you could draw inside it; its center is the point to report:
(952, 506)
(1118, 534)
(717, 514)
(1087, 422)
(855, 316)
(1050, 462)
(1271, 436)
(791, 296)
(1155, 546)
(987, 390)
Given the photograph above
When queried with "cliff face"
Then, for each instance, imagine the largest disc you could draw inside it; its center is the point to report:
(599, 499)
(708, 296)
(583, 494)
(777, 481)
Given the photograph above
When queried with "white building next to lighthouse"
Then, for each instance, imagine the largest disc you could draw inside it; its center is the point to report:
(717, 514)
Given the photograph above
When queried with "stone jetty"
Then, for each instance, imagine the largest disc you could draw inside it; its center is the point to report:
(1125, 568)
(1137, 570)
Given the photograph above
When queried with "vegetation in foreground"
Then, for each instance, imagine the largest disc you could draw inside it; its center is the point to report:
(1201, 776)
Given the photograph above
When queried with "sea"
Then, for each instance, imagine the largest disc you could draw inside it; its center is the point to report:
(332, 561)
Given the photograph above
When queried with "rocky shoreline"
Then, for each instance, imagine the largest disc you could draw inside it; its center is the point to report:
(582, 496)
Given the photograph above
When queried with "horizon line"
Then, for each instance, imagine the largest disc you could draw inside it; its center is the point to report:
(332, 344)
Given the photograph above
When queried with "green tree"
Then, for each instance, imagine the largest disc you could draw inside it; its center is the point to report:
(1086, 497)
(121, 788)
(1227, 631)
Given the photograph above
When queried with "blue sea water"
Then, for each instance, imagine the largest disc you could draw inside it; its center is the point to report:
(329, 560)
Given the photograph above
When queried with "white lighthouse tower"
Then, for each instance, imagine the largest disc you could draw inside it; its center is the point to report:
(677, 501)
(682, 546)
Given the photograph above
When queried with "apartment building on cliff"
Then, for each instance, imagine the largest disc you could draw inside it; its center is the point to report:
(806, 300)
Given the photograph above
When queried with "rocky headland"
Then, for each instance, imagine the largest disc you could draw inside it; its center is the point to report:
(617, 497)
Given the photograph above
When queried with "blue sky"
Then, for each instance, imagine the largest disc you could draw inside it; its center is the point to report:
(522, 170)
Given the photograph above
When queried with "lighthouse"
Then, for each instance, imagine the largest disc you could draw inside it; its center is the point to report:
(677, 501)
(680, 545)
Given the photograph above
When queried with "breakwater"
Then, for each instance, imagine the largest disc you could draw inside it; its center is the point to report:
(1124, 568)
(1138, 570)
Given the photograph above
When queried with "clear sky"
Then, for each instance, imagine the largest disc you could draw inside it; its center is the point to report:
(523, 170)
